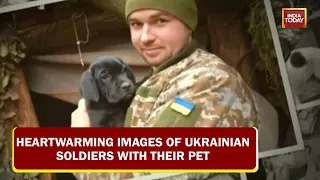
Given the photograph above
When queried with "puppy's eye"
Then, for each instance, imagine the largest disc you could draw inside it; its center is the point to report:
(104, 75)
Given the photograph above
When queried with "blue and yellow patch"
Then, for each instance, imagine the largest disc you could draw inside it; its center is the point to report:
(182, 106)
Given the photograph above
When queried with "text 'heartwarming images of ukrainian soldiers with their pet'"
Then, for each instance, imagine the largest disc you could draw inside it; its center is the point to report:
(182, 73)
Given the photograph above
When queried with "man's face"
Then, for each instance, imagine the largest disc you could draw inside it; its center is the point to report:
(157, 35)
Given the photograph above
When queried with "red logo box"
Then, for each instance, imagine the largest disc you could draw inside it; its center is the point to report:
(294, 17)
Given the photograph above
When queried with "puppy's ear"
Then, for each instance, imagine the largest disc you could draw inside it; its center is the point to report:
(130, 75)
(129, 72)
(120, 60)
(89, 89)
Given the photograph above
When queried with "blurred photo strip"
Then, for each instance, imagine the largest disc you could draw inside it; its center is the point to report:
(295, 27)
(279, 128)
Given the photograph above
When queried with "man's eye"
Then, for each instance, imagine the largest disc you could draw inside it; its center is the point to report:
(135, 24)
(161, 21)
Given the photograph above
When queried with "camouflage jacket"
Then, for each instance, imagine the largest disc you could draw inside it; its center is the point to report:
(221, 97)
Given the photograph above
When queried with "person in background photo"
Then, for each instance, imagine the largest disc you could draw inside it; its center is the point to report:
(162, 32)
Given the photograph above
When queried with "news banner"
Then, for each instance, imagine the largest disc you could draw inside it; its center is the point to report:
(134, 150)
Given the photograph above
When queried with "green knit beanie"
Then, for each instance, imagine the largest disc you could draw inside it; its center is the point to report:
(185, 10)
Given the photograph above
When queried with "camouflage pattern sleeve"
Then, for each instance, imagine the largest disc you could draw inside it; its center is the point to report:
(221, 98)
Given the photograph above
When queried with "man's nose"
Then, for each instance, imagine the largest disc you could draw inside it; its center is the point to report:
(147, 35)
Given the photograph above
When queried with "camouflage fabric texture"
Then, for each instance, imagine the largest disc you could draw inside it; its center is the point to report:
(103, 176)
(205, 176)
(221, 97)
(187, 176)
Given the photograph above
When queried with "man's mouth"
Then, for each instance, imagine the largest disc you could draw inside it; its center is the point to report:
(152, 53)
(150, 49)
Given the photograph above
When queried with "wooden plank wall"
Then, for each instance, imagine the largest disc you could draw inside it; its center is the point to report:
(26, 112)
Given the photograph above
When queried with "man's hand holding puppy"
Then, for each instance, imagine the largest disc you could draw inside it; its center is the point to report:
(80, 117)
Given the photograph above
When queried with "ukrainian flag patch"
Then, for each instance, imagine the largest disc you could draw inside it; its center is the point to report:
(182, 106)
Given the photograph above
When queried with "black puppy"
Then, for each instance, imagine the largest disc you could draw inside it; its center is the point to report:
(108, 87)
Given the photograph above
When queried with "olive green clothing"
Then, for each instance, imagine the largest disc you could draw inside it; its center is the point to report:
(185, 10)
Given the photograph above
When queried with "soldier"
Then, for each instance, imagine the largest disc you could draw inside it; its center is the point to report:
(162, 32)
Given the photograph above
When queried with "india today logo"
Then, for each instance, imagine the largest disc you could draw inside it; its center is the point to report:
(294, 17)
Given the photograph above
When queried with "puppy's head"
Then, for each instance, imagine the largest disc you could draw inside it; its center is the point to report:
(110, 77)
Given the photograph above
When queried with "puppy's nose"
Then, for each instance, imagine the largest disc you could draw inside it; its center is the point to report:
(125, 86)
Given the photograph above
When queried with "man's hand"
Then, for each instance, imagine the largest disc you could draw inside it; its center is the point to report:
(80, 117)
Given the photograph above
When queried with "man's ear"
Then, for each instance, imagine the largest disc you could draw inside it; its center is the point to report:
(89, 89)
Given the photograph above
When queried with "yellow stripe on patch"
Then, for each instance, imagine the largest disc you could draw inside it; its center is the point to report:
(179, 108)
